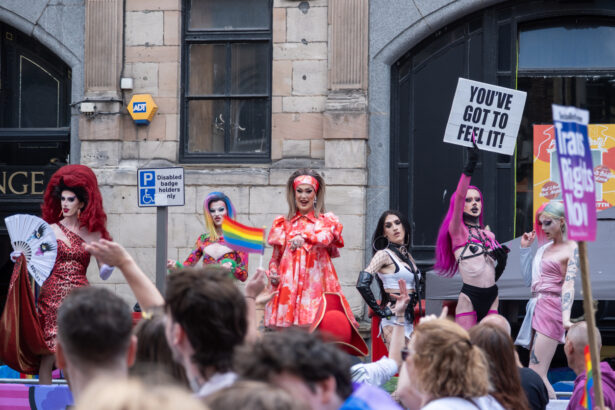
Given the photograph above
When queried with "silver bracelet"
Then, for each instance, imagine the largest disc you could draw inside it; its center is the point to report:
(398, 323)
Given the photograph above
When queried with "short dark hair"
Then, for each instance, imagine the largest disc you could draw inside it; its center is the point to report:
(295, 351)
(94, 325)
(212, 312)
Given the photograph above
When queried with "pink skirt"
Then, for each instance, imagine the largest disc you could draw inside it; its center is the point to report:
(547, 318)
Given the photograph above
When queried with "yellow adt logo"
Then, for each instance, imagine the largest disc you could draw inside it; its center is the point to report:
(142, 108)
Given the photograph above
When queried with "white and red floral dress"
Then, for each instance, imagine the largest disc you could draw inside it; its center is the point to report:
(305, 273)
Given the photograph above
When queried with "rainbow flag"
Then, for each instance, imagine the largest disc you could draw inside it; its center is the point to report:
(243, 238)
(586, 400)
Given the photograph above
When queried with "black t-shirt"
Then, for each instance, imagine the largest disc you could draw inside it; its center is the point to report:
(534, 388)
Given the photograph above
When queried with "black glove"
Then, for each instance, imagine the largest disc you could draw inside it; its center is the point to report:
(468, 169)
(501, 256)
(363, 286)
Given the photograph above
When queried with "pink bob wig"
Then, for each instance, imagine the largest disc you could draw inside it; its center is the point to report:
(209, 222)
(78, 179)
(446, 264)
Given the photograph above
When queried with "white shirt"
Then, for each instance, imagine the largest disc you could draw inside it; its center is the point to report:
(375, 373)
(456, 403)
(217, 382)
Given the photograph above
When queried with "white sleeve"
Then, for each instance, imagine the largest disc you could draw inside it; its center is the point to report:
(526, 265)
(374, 373)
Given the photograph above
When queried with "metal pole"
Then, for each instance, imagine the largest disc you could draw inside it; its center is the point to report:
(588, 307)
(162, 218)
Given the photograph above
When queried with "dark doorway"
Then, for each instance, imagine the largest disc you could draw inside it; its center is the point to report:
(34, 129)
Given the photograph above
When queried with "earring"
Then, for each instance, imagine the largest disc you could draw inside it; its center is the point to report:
(61, 213)
(377, 248)
(78, 213)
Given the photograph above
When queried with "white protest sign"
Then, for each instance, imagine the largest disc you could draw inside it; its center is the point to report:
(161, 187)
(492, 113)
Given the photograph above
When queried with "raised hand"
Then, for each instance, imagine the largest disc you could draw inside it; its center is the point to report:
(527, 239)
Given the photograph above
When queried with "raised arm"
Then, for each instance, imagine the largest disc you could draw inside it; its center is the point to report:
(327, 231)
(114, 254)
(568, 286)
(525, 253)
(196, 253)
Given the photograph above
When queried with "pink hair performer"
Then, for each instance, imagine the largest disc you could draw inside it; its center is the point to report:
(465, 245)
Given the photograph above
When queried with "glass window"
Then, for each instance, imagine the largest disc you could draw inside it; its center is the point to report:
(574, 45)
(229, 14)
(227, 98)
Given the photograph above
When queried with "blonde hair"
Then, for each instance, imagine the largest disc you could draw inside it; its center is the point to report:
(447, 364)
(320, 193)
(253, 395)
(132, 394)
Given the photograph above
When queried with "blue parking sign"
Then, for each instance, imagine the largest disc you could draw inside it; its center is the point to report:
(147, 179)
(147, 196)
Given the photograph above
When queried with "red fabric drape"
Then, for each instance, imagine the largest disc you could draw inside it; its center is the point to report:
(21, 336)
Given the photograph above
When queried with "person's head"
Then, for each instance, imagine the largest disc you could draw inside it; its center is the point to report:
(132, 394)
(215, 207)
(154, 359)
(443, 362)
(392, 226)
(94, 333)
(500, 351)
(301, 363)
(576, 340)
(253, 395)
(75, 181)
(473, 206)
(498, 321)
(446, 263)
(551, 221)
(206, 319)
(305, 192)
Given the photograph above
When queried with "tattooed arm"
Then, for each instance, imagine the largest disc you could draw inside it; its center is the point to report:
(568, 286)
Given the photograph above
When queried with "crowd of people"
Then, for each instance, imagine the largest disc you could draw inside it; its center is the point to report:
(200, 346)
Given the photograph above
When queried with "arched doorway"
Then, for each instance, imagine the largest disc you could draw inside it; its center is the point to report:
(499, 45)
(34, 128)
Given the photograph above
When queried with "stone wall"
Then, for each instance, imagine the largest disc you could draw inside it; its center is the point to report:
(309, 128)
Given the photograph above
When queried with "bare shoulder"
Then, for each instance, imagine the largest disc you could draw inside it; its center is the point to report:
(572, 246)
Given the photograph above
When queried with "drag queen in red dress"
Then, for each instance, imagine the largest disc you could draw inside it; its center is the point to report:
(304, 241)
(210, 246)
(72, 205)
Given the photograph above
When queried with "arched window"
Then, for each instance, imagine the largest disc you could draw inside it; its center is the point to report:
(556, 51)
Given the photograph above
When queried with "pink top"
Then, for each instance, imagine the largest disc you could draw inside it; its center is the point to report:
(551, 278)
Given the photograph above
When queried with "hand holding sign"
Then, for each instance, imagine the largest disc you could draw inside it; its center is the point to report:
(472, 159)
(490, 113)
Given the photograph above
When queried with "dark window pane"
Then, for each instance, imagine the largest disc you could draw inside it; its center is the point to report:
(250, 68)
(207, 69)
(504, 48)
(577, 45)
(39, 93)
(436, 165)
(207, 123)
(229, 14)
(248, 125)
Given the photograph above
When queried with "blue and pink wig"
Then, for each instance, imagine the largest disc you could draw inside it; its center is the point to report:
(446, 264)
(209, 222)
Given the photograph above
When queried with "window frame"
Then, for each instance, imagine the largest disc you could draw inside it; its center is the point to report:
(225, 37)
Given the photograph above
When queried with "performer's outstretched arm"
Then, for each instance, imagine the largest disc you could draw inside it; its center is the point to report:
(114, 254)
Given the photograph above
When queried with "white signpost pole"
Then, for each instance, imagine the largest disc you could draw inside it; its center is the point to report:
(161, 187)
